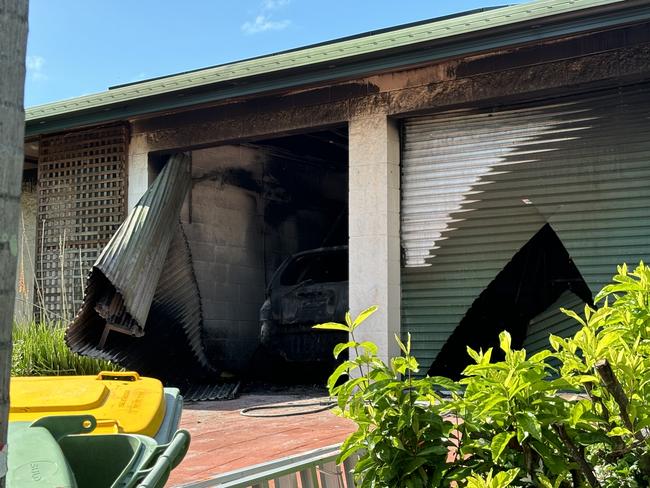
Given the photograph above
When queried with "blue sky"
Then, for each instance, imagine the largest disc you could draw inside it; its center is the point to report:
(77, 47)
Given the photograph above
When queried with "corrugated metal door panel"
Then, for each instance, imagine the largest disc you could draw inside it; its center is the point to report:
(477, 185)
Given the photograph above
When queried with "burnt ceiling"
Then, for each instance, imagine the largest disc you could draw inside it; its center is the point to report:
(326, 147)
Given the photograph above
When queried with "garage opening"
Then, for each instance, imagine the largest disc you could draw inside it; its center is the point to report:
(266, 223)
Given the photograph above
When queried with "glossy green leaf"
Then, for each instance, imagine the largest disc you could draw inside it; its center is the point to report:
(348, 319)
(505, 341)
(363, 316)
(499, 444)
(339, 348)
(332, 326)
(528, 426)
(619, 431)
(401, 345)
(505, 478)
(370, 347)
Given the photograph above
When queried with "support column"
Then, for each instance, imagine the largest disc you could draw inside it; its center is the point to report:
(374, 228)
(138, 172)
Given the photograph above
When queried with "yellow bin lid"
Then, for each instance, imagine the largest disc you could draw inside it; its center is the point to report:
(120, 401)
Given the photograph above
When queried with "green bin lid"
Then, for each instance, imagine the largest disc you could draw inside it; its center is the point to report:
(36, 460)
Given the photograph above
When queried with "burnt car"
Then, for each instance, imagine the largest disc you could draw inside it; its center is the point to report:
(308, 288)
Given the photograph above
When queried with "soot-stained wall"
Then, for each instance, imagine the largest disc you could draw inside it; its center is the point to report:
(250, 207)
(224, 230)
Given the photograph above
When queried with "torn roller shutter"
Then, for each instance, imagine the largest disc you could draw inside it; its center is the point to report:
(142, 307)
(478, 184)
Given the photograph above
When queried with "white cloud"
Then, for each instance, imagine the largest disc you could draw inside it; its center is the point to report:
(274, 4)
(35, 65)
(35, 62)
(263, 23)
(263, 20)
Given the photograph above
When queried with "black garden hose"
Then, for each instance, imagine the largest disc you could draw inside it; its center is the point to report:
(322, 406)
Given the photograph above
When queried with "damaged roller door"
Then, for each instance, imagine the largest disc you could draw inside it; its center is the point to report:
(478, 186)
(141, 306)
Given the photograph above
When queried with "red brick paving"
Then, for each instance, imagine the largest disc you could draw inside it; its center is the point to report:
(224, 440)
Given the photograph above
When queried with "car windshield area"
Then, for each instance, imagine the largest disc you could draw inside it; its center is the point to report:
(319, 267)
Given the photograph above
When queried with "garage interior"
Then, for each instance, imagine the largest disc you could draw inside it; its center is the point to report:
(252, 205)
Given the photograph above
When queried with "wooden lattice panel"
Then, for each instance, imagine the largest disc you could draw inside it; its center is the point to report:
(81, 202)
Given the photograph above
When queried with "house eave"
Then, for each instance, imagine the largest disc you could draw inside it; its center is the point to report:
(115, 105)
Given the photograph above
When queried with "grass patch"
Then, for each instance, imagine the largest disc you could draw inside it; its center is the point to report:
(39, 350)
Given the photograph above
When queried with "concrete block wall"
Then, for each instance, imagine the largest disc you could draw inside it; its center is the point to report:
(249, 210)
(225, 233)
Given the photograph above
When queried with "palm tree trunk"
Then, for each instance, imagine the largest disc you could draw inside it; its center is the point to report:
(13, 40)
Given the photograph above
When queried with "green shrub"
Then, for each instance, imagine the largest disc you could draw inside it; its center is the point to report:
(513, 422)
(401, 439)
(39, 350)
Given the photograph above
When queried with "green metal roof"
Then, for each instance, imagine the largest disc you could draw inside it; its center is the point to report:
(335, 59)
